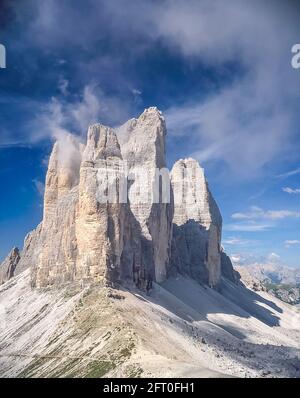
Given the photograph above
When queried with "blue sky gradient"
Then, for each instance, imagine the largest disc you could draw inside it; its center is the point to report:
(221, 73)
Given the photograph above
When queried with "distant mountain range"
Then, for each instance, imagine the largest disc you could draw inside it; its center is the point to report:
(280, 281)
(139, 287)
(274, 273)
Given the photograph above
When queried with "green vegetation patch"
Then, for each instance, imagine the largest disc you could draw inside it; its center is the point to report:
(99, 368)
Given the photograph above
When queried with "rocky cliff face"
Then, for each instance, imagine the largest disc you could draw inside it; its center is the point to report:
(109, 213)
(9, 265)
(55, 252)
(197, 224)
(17, 262)
(227, 269)
(30, 247)
(143, 149)
(106, 239)
(99, 223)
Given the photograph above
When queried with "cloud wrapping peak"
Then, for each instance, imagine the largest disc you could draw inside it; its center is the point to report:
(59, 117)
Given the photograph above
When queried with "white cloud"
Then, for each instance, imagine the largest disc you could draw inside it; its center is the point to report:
(291, 190)
(289, 243)
(245, 259)
(256, 213)
(40, 187)
(236, 241)
(63, 85)
(248, 123)
(289, 173)
(273, 258)
(235, 258)
(11, 144)
(247, 227)
(58, 118)
(245, 123)
(135, 91)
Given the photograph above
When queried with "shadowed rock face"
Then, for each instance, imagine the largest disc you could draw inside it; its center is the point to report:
(17, 262)
(227, 268)
(87, 236)
(143, 148)
(197, 224)
(9, 265)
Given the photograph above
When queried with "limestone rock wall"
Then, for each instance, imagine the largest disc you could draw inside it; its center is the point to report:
(7, 268)
(18, 261)
(197, 223)
(55, 252)
(31, 244)
(84, 237)
(227, 268)
(100, 226)
(143, 148)
(99, 223)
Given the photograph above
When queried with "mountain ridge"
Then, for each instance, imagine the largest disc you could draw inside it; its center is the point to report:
(107, 287)
(138, 237)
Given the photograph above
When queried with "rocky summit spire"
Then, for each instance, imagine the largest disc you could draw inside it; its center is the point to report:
(99, 221)
(7, 268)
(143, 148)
(55, 251)
(109, 213)
(63, 172)
(98, 238)
(197, 223)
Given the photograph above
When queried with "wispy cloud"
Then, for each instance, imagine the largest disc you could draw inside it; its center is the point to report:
(236, 241)
(289, 243)
(258, 194)
(14, 145)
(59, 117)
(63, 85)
(247, 227)
(246, 124)
(257, 213)
(39, 186)
(289, 173)
(273, 257)
(291, 190)
(245, 259)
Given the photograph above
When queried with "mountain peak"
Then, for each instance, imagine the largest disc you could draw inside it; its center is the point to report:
(89, 237)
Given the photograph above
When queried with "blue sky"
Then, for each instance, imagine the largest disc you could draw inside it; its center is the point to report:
(221, 73)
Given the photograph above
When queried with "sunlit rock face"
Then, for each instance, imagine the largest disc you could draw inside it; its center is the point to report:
(197, 224)
(85, 237)
(143, 148)
(18, 261)
(112, 214)
(30, 247)
(99, 223)
(55, 254)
